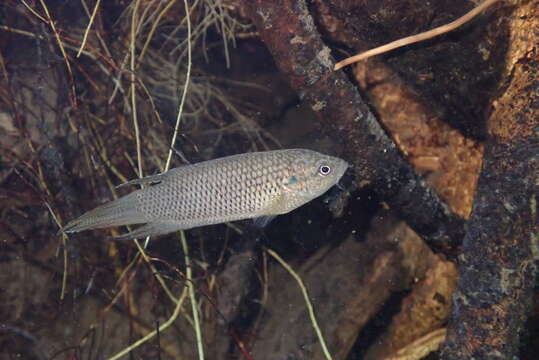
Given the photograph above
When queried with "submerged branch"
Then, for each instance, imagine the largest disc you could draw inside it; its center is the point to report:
(288, 30)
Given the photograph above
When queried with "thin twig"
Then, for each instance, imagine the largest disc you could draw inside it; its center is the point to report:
(418, 37)
(58, 222)
(186, 85)
(99, 144)
(62, 50)
(307, 301)
(35, 13)
(154, 271)
(161, 328)
(21, 32)
(188, 270)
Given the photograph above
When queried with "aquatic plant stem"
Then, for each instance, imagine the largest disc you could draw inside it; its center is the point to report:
(161, 328)
(185, 86)
(133, 86)
(192, 297)
(310, 308)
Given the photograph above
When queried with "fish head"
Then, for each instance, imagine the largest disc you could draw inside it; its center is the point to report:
(313, 173)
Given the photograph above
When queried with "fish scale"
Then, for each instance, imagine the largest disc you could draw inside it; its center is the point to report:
(251, 185)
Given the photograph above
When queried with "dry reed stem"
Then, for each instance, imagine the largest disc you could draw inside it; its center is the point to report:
(154, 27)
(185, 87)
(87, 31)
(190, 286)
(34, 12)
(198, 332)
(98, 34)
(133, 87)
(62, 50)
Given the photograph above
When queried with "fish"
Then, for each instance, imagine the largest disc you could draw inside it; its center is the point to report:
(256, 185)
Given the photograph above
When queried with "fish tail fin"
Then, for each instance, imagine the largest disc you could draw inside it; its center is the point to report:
(122, 211)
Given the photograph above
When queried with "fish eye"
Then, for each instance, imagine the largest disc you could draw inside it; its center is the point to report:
(324, 170)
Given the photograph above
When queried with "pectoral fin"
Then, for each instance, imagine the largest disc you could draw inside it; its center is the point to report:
(263, 221)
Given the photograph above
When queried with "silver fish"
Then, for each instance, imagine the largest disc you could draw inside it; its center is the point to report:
(252, 185)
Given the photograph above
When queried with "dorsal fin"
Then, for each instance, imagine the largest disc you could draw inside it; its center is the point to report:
(145, 180)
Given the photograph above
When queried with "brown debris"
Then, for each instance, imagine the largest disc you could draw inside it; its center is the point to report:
(421, 347)
(424, 311)
(451, 161)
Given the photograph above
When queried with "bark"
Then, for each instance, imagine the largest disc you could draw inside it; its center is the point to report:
(498, 267)
(288, 30)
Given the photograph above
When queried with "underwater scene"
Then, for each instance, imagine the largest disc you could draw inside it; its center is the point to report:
(269, 179)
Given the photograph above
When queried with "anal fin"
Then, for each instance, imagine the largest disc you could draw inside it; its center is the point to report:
(150, 229)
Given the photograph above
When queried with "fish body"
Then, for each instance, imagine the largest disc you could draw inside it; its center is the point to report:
(250, 185)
